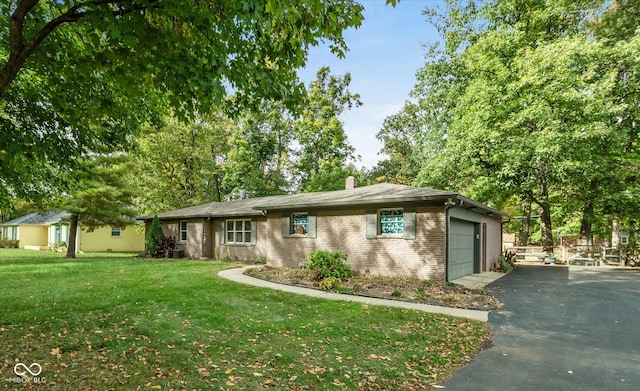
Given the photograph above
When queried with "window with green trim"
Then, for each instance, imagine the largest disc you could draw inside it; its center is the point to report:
(391, 222)
(299, 223)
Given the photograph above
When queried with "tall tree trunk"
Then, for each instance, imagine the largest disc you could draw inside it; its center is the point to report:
(585, 225)
(544, 209)
(73, 229)
(615, 232)
(218, 193)
(523, 237)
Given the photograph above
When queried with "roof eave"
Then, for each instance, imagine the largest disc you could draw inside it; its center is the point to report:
(471, 204)
(397, 200)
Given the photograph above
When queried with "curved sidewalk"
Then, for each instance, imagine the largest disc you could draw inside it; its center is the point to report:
(237, 275)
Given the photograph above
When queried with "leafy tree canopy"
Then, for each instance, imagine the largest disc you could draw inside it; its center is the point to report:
(533, 102)
(99, 197)
(83, 75)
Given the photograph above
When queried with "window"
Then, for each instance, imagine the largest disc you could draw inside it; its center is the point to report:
(58, 233)
(399, 223)
(239, 231)
(391, 222)
(116, 232)
(14, 233)
(299, 223)
(183, 231)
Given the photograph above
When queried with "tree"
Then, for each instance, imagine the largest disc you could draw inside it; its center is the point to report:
(399, 136)
(100, 196)
(538, 110)
(257, 163)
(324, 149)
(180, 164)
(82, 75)
(155, 236)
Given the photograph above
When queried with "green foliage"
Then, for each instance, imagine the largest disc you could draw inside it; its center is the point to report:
(155, 237)
(505, 265)
(324, 148)
(78, 77)
(181, 162)
(259, 145)
(260, 260)
(532, 103)
(329, 283)
(98, 195)
(399, 135)
(396, 293)
(9, 243)
(329, 264)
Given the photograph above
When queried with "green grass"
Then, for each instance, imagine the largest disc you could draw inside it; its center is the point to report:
(117, 322)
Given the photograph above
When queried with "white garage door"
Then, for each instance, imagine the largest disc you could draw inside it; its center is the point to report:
(461, 249)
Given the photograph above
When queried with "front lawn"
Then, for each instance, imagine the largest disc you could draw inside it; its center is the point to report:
(113, 322)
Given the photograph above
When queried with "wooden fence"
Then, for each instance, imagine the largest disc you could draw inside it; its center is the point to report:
(572, 255)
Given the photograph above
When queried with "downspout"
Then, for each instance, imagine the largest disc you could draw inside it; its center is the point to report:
(206, 223)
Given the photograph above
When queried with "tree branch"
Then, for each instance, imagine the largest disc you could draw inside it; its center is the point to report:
(20, 52)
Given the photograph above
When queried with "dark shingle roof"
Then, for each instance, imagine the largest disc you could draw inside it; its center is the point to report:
(191, 211)
(380, 194)
(47, 218)
(383, 193)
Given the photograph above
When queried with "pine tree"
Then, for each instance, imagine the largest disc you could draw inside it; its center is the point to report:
(155, 237)
(99, 198)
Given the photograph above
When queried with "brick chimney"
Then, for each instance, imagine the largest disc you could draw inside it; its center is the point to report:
(350, 183)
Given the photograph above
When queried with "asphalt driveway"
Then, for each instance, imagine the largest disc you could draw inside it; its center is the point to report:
(561, 328)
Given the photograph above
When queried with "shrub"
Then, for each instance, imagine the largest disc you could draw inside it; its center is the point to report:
(329, 283)
(396, 293)
(9, 243)
(165, 248)
(260, 260)
(505, 265)
(155, 238)
(329, 264)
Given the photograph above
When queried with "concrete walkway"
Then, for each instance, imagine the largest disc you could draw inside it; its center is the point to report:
(238, 275)
(479, 280)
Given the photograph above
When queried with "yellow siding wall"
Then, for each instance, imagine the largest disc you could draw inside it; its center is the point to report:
(32, 235)
(131, 240)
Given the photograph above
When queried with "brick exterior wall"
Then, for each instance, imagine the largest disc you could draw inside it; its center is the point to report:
(423, 257)
(193, 247)
(242, 252)
(493, 250)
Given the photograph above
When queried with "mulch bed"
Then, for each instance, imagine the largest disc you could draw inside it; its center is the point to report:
(394, 288)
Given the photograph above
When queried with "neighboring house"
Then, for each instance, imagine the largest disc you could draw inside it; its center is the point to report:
(50, 230)
(384, 229)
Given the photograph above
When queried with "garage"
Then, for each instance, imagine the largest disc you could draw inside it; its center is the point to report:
(462, 249)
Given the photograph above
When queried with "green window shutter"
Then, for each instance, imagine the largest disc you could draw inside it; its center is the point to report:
(372, 224)
(409, 217)
(223, 236)
(313, 222)
(286, 225)
(254, 232)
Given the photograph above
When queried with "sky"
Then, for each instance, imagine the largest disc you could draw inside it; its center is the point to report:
(385, 53)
